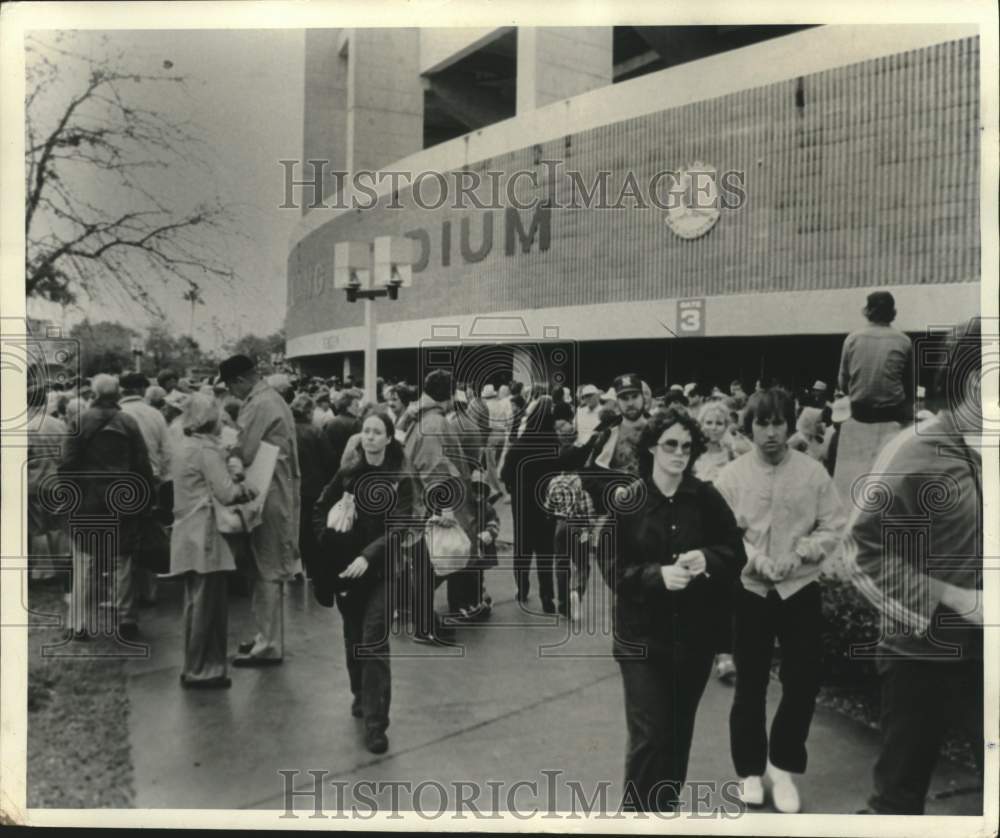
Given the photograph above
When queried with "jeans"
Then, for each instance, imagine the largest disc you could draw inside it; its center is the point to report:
(796, 623)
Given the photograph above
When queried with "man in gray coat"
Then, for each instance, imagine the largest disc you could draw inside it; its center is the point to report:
(265, 417)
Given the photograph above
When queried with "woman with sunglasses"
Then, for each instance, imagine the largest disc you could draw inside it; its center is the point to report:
(678, 551)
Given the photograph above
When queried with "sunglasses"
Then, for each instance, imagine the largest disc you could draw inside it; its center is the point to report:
(671, 446)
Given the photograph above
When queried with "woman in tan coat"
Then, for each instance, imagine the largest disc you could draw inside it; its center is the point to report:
(198, 551)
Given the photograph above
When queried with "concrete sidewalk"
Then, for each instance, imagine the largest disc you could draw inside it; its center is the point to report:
(523, 696)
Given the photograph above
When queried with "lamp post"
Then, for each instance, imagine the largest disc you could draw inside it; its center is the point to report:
(369, 271)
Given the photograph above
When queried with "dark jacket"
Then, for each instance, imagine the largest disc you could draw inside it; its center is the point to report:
(109, 449)
(487, 520)
(316, 462)
(532, 461)
(337, 432)
(563, 411)
(648, 618)
(383, 495)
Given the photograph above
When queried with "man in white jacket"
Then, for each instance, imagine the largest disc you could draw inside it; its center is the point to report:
(792, 520)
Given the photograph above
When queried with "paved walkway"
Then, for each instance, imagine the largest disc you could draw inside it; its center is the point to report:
(523, 696)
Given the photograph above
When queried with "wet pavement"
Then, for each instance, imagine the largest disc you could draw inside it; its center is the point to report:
(522, 695)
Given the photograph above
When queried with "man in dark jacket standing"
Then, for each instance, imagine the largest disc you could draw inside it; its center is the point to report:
(918, 558)
(108, 450)
(316, 464)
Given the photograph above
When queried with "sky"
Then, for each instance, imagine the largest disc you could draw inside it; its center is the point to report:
(244, 97)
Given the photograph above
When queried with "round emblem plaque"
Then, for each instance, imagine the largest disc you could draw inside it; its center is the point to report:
(694, 201)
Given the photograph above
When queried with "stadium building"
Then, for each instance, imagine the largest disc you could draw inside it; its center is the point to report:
(683, 201)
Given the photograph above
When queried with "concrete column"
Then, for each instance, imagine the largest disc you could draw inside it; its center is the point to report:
(324, 129)
(385, 98)
(555, 63)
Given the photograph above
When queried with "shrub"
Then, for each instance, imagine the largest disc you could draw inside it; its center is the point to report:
(848, 621)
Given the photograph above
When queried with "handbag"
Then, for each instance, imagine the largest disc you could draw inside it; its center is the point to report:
(152, 545)
(238, 518)
(342, 514)
(448, 547)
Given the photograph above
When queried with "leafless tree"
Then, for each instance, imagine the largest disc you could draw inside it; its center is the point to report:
(94, 223)
(193, 296)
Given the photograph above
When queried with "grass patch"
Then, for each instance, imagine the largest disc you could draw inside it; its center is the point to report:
(78, 744)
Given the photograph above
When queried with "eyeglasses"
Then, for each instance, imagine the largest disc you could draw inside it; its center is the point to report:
(671, 446)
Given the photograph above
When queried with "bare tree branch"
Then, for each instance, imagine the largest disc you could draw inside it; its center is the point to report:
(94, 221)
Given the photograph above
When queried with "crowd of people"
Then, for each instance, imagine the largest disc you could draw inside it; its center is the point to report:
(720, 508)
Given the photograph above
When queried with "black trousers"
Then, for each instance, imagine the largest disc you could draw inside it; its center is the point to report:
(661, 701)
(919, 700)
(796, 623)
(534, 537)
(465, 590)
(308, 548)
(366, 646)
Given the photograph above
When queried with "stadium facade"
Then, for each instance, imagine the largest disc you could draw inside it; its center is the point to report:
(677, 201)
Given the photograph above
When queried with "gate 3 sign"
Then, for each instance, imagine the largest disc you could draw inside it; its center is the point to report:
(691, 317)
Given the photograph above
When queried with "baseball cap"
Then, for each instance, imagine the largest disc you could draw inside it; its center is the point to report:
(627, 384)
(589, 390)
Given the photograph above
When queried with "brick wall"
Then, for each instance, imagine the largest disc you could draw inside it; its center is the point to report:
(859, 176)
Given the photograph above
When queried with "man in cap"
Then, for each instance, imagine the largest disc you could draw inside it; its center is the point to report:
(265, 417)
(820, 394)
(588, 414)
(107, 448)
(616, 442)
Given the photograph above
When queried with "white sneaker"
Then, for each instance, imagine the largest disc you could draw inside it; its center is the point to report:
(752, 791)
(783, 791)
